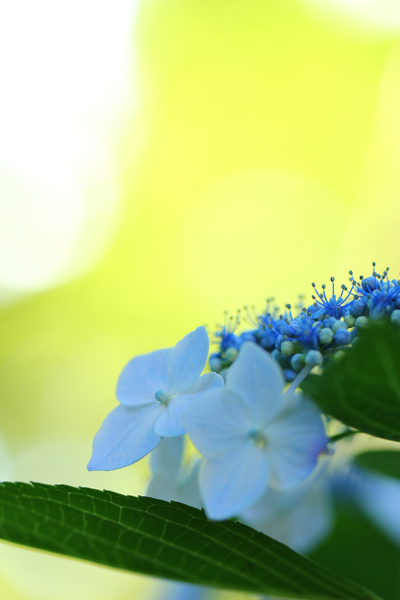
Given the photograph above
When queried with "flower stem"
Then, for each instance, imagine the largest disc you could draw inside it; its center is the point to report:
(344, 434)
(299, 379)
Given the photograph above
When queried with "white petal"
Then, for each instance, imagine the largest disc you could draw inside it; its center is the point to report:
(233, 480)
(187, 361)
(166, 458)
(295, 439)
(257, 377)
(218, 421)
(126, 435)
(142, 377)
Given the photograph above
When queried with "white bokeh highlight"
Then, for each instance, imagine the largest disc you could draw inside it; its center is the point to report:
(68, 86)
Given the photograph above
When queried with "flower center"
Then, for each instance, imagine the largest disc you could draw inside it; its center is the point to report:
(162, 396)
(259, 438)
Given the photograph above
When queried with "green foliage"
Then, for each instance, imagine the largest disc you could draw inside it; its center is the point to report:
(363, 389)
(359, 550)
(384, 462)
(162, 539)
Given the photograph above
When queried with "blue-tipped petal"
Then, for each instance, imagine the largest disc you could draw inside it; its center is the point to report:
(187, 360)
(257, 378)
(126, 435)
(142, 377)
(233, 480)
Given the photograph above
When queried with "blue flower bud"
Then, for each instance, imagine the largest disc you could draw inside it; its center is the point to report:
(369, 284)
(349, 320)
(248, 336)
(313, 358)
(357, 308)
(361, 322)
(329, 322)
(289, 374)
(339, 325)
(395, 318)
(326, 335)
(279, 341)
(231, 354)
(215, 363)
(287, 348)
(342, 337)
(297, 362)
(268, 340)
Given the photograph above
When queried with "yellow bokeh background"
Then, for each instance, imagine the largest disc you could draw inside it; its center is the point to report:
(253, 147)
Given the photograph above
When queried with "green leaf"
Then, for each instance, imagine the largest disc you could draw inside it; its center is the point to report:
(358, 549)
(362, 390)
(384, 462)
(162, 539)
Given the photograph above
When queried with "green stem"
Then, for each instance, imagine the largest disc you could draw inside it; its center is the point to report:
(344, 434)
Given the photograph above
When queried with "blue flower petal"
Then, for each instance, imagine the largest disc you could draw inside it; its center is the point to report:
(170, 423)
(233, 480)
(142, 377)
(295, 439)
(258, 379)
(218, 421)
(167, 456)
(379, 497)
(187, 361)
(126, 435)
(299, 518)
(205, 383)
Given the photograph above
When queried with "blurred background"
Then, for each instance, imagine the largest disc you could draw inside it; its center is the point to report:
(162, 161)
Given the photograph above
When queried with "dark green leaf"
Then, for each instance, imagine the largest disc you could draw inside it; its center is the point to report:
(385, 462)
(358, 549)
(162, 539)
(363, 389)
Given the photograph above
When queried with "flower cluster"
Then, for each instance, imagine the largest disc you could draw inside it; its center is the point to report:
(252, 434)
(319, 333)
(263, 451)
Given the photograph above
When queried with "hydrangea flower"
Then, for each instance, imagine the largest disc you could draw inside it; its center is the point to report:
(335, 306)
(153, 390)
(252, 435)
(171, 480)
(301, 517)
(379, 498)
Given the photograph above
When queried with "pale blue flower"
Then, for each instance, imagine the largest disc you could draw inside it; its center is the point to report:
(252, 435)
(171, 479)
(301, 517)
(153, 390)
(379, 497)
(185, 591)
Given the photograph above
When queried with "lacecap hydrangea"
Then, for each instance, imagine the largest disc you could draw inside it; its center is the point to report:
(260, 440)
